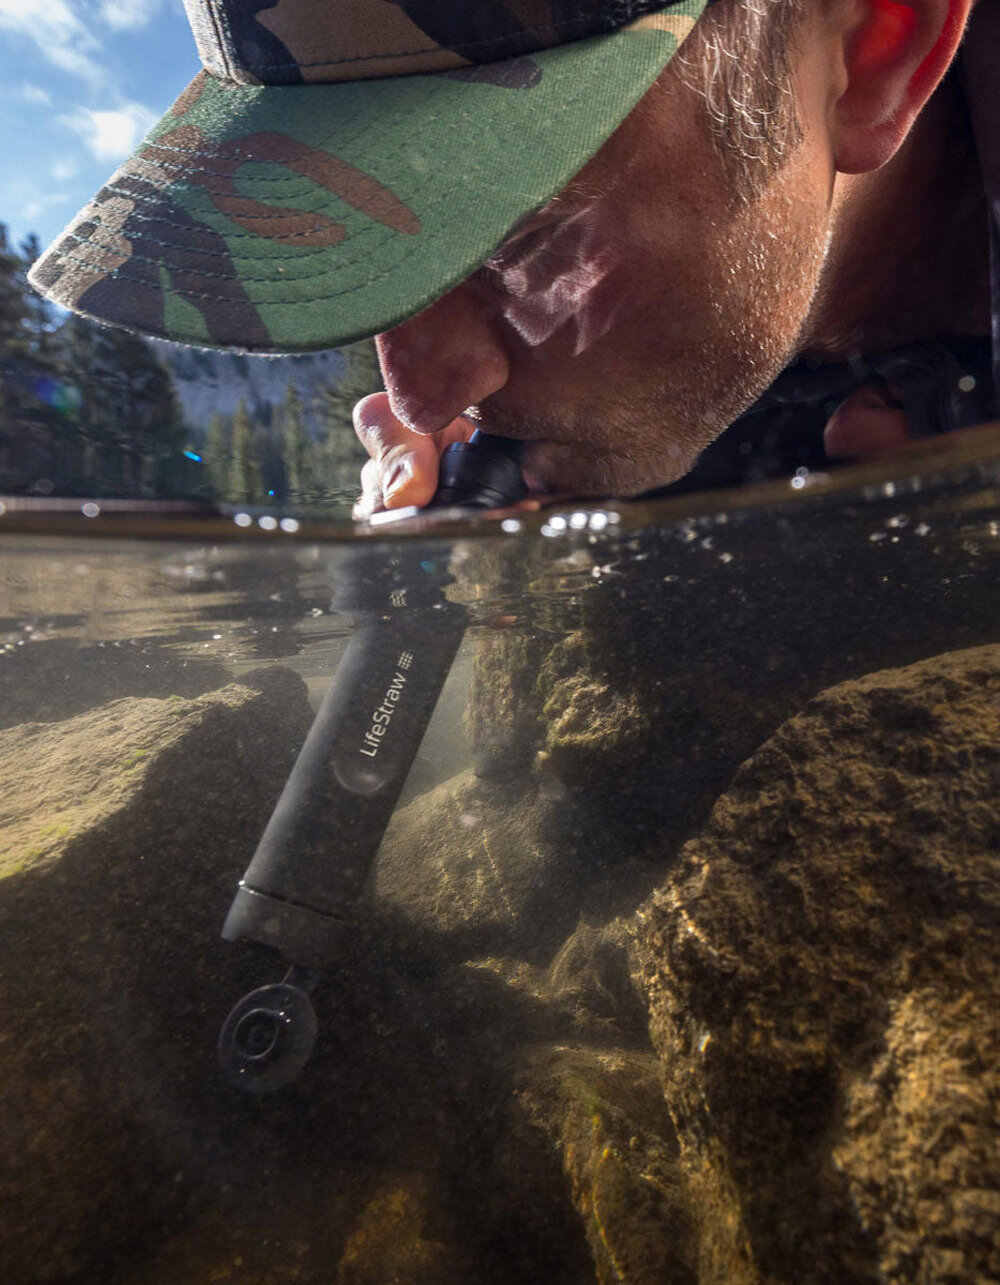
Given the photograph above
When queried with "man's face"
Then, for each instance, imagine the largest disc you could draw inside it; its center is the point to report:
(625, 325)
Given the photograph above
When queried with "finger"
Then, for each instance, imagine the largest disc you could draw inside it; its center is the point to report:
(370, 499)
(406, 462)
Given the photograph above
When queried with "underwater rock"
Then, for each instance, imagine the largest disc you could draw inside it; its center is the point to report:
(501, 715)
(586, 1162)
(821, 969)
(122, 834)
(391, 1241)
(593, 716)
(640, 731)
(472, 867)
(603, 1112)
(590, 980)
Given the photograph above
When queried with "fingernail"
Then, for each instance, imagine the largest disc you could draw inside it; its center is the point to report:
(398, 475)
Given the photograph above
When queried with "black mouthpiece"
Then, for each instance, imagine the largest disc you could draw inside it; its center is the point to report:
(482, 473)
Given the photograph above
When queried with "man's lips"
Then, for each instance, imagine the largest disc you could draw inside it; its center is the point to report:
(533, 479)
(550, 466)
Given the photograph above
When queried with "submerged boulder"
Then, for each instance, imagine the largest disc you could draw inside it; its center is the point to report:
(122, 834)
(473, 866)
(821, 971)
(587, 1118)
(603, 1111)
(395, 1240)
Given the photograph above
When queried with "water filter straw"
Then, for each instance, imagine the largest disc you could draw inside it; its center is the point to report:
(299, 894)
(315, 854)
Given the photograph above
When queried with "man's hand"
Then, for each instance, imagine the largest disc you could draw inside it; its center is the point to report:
(403, 468)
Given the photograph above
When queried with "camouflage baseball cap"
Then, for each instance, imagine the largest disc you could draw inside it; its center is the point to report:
(340, 164)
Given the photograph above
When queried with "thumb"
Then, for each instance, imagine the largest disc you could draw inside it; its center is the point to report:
(406, 463)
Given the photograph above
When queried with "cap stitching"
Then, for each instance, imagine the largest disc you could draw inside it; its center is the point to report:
(117, 273)
(154, 199)
(215, 254)
(195, 151)
(138, 196)
(221, 33)
(215, 173)
(281, 212)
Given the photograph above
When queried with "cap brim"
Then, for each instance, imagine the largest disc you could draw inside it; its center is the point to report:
(292, 218)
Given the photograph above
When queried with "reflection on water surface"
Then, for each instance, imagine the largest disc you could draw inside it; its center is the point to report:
(677, 959)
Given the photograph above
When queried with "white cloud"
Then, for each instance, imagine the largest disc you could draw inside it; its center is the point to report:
(57, 33)
(34, 206)
(64, 168)
(111, 135)
(128, 15)
(34, 95)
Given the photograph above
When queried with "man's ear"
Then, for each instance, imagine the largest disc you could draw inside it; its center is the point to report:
(895, 54)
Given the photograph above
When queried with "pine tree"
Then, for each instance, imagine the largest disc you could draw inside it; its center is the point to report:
(268, 448)
(13, 309)
(244, 483)
(129, 419)
(33, 404)
(215, 454)
(39, 322)
(294, 444)
(337, 400)
(338, 455)
(82, 407)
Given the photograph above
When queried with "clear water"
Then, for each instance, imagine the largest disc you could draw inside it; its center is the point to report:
(538, 1055)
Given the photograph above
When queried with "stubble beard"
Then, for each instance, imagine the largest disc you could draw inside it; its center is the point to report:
(759, 291)
(660, 421)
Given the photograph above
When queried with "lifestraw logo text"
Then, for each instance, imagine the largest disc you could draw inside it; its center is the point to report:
(382, 716)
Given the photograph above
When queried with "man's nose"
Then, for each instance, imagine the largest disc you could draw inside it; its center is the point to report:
(446, 358)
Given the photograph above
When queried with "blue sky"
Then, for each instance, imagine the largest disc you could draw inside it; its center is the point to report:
(80, 83)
